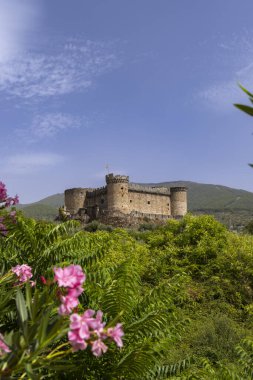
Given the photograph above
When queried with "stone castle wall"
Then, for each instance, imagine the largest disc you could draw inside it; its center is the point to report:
(124, 198)
(149, 203)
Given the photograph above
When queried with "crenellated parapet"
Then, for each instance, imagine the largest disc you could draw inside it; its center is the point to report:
(148, 189)
(178, 189)
(97, 192)
(111, 178)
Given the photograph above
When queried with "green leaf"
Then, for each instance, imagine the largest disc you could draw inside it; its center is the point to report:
(30, 372)
(28, 297)
(245, 90)
(43, 327)
(246, 109)
(21, 306)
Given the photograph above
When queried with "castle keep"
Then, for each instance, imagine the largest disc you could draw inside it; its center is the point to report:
(120, 198)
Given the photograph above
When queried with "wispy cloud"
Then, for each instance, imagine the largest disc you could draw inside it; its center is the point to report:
(50, 124)
(236, 64)
(30, 162)
(72, 68)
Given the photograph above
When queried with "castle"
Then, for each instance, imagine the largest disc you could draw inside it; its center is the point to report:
(122, 199)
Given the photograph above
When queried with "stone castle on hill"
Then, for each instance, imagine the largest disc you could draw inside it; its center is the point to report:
(122, 199)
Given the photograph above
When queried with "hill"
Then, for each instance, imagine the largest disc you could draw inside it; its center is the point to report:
(234, 207)
(45, 209)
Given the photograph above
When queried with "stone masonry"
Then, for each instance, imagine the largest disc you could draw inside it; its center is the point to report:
(122, 199)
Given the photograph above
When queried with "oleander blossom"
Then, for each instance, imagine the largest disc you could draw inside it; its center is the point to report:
(23, 272)
(5, 199)
(115, 333)
(98, 347)
(68, 303)
(3, 192)
(71, 278)
(3, 347)
(90, 329)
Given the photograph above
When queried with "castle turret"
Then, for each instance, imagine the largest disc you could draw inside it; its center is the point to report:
(74, 199)
(178, 198)
(117, 193)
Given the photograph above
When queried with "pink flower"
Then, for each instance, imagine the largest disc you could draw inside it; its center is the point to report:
(68, 303)
(98, 347)
(23, 272)
(3, 347)
(76, 342)
(69, 277)
(96, 324)
(3, 192)
(116, 333)
(79, 324)
(75, 292)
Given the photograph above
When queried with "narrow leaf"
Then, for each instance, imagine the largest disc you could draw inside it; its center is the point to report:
(246, 109)
(245, 90)
(21, 306)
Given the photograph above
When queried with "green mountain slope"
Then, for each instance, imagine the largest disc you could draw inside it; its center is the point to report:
(45, 209)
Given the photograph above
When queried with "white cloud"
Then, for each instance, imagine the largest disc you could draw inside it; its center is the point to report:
(30, 162)
(72, 68)
(17, 19)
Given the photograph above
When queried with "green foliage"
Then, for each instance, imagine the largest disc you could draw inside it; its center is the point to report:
(34, 333)
(249, 228)
(184, 292)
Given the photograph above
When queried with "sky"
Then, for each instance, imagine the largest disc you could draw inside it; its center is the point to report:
(138, 87)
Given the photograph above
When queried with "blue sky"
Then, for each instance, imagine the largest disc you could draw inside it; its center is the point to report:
(143, 87)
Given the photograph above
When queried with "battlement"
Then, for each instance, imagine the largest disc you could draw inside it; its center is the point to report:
(96, 192)
(178, 189)
(111, 178)
(148, 189)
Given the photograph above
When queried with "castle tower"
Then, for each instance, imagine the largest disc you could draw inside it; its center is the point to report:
(178, 198)
(74, 199)
(117, 193)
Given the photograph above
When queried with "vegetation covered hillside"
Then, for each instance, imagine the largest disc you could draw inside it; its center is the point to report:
(45, 209)
(183, 292)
